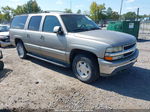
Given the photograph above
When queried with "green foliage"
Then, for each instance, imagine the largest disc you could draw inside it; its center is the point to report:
(112, 15)
(68, 10)
(79, 11)
(30, 7)
(130, 16)
(7, 13)
(97, 11)
(1, 17)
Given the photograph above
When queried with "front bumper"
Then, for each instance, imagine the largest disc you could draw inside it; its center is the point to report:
(110, 68)
(5, 41)
(5, 44)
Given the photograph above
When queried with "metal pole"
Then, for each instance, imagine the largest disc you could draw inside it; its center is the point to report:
(138, 14)
(121, 8)
(70, 4)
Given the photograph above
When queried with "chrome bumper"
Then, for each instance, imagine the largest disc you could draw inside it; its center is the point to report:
(110, 68)
(5, 44)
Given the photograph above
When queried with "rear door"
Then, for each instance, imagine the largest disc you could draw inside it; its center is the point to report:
(33, 35)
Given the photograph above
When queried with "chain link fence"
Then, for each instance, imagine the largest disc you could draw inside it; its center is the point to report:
(144, 32)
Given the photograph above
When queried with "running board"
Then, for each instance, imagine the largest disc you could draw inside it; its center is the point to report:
(46, 60)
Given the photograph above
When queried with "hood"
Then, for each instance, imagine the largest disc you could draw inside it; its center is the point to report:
(110, 37)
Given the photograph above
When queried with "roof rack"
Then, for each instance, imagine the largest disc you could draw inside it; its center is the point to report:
(49, 11)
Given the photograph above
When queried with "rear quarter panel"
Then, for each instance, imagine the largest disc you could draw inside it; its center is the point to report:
(17, 33)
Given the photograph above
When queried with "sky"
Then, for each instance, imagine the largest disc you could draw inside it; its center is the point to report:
(84, 5)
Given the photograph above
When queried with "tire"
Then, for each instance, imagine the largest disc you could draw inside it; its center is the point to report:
(85, 68)
(1, 65)
(21, 50)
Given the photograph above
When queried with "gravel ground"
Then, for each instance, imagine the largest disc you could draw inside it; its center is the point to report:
(34, 84)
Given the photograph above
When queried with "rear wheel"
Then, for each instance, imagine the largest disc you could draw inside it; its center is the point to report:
(85, 68)
(1, 65)
(21, 50)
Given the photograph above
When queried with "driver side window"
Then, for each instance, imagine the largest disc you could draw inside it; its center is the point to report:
(49, 23)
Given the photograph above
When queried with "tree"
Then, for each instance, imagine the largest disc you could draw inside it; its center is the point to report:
(112, 15)
(1, 17)
(7, 13)
(101, 11)
(20, 10)
(79, 11)
(109, 12)
(130, 16)
(68, 10)
(94, 11)
(97, 11)
(30, 7)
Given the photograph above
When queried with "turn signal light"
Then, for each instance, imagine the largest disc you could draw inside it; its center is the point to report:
(108, 58)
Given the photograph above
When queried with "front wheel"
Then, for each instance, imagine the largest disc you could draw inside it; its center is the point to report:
(21, 50)
(85, 68)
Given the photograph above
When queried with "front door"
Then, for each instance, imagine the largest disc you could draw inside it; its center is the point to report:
(53, 45)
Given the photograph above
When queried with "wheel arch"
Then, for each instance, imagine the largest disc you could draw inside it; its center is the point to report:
(75, 52)
(17, 40)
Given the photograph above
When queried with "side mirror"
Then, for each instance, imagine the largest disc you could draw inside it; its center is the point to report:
(58, 30)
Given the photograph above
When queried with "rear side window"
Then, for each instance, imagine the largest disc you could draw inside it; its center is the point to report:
(49, 23)
(18, 22)
(34, 23)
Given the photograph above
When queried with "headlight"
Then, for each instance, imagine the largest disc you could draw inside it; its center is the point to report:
(109, 51)
(114, 49)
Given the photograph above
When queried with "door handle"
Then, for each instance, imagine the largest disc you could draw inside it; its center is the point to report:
(28, 36)
(42, 38)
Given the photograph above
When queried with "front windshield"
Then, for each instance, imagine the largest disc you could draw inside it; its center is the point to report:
(78, 23)
(4, 29)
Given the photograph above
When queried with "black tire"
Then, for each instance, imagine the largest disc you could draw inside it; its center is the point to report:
(1, 65)
(21, 50)
(93, 65)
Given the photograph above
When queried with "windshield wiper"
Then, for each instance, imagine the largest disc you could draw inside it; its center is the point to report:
(94, 28)
(79, 30)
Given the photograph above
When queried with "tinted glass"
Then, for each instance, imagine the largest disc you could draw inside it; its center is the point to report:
(78, 23)
(4, 28)
(49, 23)
(19, 22)
(34, 23)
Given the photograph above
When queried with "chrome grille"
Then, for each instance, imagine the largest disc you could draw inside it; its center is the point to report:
(131, 47)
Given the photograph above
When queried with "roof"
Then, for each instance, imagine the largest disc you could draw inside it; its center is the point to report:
(50, 13)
